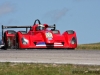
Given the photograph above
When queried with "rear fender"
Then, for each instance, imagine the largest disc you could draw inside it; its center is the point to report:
(9, 38)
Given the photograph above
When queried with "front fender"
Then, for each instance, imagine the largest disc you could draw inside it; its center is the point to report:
(70, 38)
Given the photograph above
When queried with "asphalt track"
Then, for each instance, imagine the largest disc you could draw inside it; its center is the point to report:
(82, 57)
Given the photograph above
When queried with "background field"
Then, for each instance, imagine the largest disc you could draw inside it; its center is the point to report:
(93, 46)
(47, 69)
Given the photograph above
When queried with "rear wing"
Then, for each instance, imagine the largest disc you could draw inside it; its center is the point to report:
(5, 27)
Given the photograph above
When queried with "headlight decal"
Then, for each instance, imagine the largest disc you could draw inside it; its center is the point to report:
(25, 41)
(73, 40)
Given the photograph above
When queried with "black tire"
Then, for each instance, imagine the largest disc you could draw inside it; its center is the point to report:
(5, 41)
(17, 41)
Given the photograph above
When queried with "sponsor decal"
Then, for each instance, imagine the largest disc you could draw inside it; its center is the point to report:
(41, 44)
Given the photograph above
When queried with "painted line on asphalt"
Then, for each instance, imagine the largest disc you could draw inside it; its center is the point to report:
(42, 62)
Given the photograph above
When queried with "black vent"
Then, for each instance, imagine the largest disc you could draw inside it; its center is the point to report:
(70, 32)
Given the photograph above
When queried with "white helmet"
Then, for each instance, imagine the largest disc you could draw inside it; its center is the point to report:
(40, 27)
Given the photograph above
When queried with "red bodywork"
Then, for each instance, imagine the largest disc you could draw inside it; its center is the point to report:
(45, 38)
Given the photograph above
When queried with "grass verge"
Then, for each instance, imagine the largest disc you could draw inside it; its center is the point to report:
(92, 46)
(47, 69)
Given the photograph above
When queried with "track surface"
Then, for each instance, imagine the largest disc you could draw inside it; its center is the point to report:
(85, 57)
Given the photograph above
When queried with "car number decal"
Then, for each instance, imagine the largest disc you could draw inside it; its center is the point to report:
(49, 35)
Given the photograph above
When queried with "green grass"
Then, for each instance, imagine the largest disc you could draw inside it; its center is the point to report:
(94, 46)
(47, 69)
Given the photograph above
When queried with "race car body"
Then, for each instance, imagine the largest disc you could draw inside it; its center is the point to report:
(39, 36)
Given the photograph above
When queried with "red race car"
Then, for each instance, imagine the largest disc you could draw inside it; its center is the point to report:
(38, 36)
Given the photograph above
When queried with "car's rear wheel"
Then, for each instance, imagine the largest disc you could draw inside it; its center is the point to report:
(17, 41)
(5, 41)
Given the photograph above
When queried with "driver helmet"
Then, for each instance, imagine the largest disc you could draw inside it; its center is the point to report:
(41, 27)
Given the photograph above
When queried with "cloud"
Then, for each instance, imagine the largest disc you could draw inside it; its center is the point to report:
(6, 8)
(56, 15)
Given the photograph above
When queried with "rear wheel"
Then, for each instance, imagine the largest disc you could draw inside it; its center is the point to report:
(17, 41)
(5, 41)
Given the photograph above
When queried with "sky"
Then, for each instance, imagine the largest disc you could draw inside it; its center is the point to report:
(82, 16)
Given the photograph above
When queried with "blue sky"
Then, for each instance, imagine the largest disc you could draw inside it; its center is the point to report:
(83, 16)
